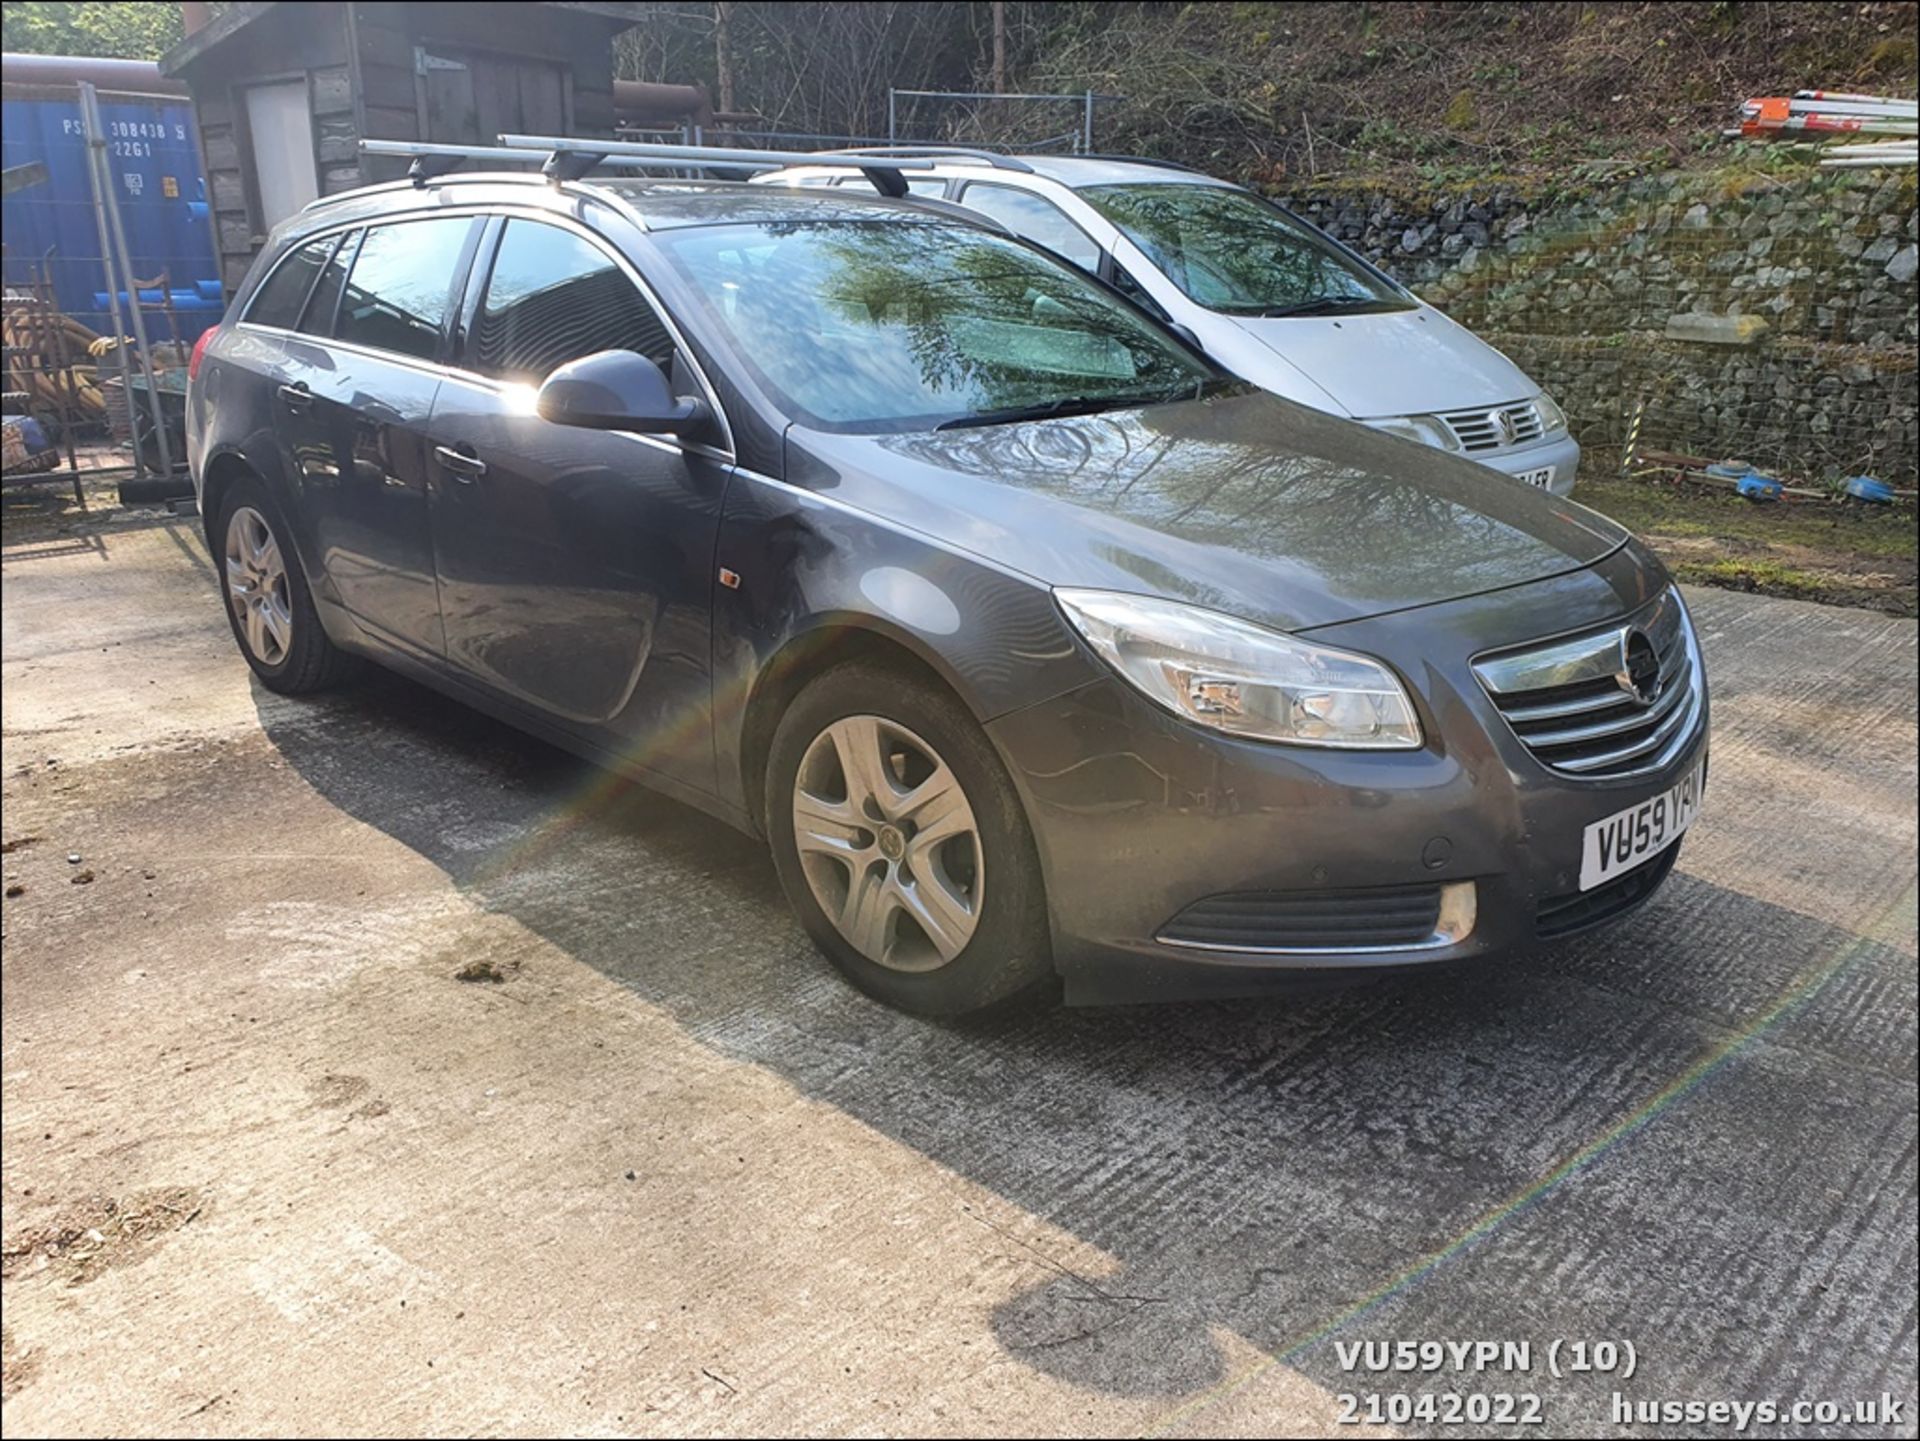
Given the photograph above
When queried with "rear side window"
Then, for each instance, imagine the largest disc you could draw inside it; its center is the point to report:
(401, 284)
(1033, 218)
(930, 189)
(281, 298)
(554, 297)
(333, 280)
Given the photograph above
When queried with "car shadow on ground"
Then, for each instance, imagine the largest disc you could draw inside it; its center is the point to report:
(1684, 1130)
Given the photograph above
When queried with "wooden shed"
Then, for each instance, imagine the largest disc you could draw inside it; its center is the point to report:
(284, 92)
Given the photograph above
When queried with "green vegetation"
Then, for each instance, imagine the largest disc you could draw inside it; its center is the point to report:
(125, 29)
(1293, 92)
(1843, 554)
(1454, 94)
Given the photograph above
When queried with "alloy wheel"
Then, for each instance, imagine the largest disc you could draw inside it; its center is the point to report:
(257, 586)
(888, 843)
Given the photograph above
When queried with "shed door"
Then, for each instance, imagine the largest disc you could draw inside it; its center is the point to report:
(280, 127)
(470, 97)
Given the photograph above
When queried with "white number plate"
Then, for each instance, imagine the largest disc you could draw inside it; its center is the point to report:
(1626, 838)
(1540, 479)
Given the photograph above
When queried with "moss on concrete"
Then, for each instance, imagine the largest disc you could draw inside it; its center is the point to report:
(1842, 554)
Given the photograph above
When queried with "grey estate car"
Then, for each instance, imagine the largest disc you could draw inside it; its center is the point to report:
(1035, 645)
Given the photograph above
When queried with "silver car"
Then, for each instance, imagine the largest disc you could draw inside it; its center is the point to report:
(1266, 295)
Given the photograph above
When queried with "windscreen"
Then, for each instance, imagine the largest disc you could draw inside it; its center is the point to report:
(889, 326)
(1232, 252)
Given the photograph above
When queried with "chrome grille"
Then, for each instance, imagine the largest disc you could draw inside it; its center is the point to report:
(1617, 702)
(1498, 428)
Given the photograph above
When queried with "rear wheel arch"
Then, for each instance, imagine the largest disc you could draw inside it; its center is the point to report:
(218, 477)
(270, 578)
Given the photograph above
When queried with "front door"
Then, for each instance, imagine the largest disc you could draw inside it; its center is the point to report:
(575, 565)
(359, 400)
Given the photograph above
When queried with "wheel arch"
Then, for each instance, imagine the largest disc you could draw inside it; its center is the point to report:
(218, 476)
(227, 468)
(832, 642)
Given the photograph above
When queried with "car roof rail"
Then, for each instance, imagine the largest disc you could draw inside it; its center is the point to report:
(574, 158)
(882, 170)
(935, 152)
(568, 159)
(1154, 161)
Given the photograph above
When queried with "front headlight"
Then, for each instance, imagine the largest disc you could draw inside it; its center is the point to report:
(1552, 417)
(1244, 679)
(1427, 429)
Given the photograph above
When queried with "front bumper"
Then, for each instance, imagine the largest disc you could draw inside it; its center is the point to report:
(1139, 815)
(1561, 455)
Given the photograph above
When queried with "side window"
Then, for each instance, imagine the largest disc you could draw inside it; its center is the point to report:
(1036, 219)
(400, 285)
(1132, 289)
(553, 297)
(333, 280)
(279, 300)
(926, 189)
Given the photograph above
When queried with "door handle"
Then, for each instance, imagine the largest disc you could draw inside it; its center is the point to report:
(297, 396)
(462, 467)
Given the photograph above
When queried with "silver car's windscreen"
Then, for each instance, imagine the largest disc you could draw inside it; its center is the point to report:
(1233, 252)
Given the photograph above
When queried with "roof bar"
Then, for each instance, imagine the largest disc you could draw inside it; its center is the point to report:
(707, 156)
(568, 159)
(573, 160)
(882, 171)
(431, 161)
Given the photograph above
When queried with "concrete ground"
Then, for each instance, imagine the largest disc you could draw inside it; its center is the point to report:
(269, 1166)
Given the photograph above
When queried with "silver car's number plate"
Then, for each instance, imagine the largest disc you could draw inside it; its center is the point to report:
(1626, 838)
(1540, 479)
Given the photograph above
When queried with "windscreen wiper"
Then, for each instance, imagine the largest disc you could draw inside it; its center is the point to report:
(1333, 304)
(1048, 409)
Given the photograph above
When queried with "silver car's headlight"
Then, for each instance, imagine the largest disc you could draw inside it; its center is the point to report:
(1427, 429)
(1244, 679)
(1552, 417)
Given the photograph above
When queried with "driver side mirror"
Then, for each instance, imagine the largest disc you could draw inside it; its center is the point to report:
(617, 390)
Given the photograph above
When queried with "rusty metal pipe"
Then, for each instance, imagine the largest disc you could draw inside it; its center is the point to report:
(118, 77)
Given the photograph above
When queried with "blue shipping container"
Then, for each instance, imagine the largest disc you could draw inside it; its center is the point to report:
(156, 169)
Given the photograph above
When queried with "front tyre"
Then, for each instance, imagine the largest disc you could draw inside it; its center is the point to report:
(902, 844)
(268, 602)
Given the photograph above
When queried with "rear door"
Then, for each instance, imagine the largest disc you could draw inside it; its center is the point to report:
(357, 407)
(575, 565)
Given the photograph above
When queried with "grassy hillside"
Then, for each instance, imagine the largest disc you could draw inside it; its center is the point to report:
(1275, 92)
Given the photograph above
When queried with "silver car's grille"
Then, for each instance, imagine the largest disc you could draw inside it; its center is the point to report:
(1613, 703)
(1497, 428)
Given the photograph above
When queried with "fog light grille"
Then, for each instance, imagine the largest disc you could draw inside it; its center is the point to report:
(1375, 919)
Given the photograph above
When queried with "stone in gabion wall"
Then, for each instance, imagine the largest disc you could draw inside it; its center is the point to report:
(1808, 410)
(1828, 260)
